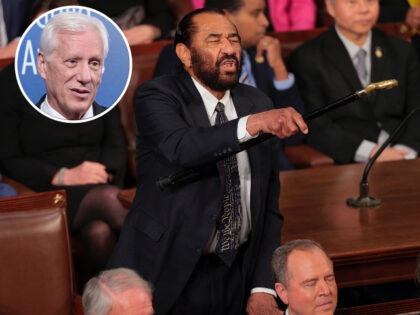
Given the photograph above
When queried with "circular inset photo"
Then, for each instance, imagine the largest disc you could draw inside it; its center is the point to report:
(73, 64)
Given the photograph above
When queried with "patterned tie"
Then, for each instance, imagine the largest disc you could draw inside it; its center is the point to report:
(229, 224)
(361, 65)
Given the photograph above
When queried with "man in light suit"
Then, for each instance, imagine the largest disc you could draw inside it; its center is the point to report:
(347, 57)
(206, 242)
(263, 65)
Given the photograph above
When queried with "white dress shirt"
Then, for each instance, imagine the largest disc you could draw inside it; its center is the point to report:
(46, 108)
(244, 170)
(353, 49)
(210, 102)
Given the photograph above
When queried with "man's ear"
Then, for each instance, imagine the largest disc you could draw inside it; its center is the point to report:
(184, 54)
(42, 63)
(330, 7)
(282, 292)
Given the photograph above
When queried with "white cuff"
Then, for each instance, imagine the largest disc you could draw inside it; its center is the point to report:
(412, 154)
(242, 133)
(364, 150)
(264, 290)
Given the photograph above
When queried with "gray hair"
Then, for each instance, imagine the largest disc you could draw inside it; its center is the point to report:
(96, 294)
(281, 254)
(71, 22)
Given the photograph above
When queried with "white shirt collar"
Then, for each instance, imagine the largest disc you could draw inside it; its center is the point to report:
(210, 102)
(46, 108)
(352, 48)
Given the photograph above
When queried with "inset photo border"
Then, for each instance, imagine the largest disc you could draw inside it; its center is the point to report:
(116, 71)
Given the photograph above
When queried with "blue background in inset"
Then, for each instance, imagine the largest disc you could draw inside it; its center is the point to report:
(117, 63)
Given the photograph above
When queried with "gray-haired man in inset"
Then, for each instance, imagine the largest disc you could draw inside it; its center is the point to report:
(73, 47)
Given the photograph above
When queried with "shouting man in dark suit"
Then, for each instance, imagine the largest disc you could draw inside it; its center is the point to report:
(263, 66)
(206, 243)
(345, 58)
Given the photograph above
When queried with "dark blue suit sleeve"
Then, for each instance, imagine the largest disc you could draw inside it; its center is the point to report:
(164, 123)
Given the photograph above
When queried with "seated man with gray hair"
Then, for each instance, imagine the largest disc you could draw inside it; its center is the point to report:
(304, 278)
(118, 291)
(72, 51)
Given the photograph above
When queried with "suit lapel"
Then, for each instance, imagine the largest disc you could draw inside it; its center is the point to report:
(196, 107)
(381, 69)
(378, 55)
(194, 102)
(336, 53)
(243, 106)
(378, 58)
(338, 56)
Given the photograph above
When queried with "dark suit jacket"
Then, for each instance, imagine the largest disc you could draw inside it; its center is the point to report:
(165, 231)
(168, 63)
(326, 73)
(97, 109)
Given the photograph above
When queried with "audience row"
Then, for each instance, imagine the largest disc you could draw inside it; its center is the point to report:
(145, 21)
(302, 270)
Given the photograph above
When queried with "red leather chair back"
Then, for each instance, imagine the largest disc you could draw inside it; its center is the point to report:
(35, 255)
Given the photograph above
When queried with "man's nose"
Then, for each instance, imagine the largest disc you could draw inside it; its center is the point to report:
(363, 6)
(262, 19)
(227, 47)
(84, 73)
(324, 288)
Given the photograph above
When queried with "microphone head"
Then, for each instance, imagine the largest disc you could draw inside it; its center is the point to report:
(382, 85)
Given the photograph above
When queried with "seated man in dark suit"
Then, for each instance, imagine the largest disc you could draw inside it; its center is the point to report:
(344, 59)
(73, 48)
(205, 243)
(263, 66)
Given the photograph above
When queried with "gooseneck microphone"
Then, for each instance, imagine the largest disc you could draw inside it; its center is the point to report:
(190, 174)
(364, 200)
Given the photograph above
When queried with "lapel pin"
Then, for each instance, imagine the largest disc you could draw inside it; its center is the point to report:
(378, 52)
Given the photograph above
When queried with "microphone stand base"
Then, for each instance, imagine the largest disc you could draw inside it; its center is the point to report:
(363, 202)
